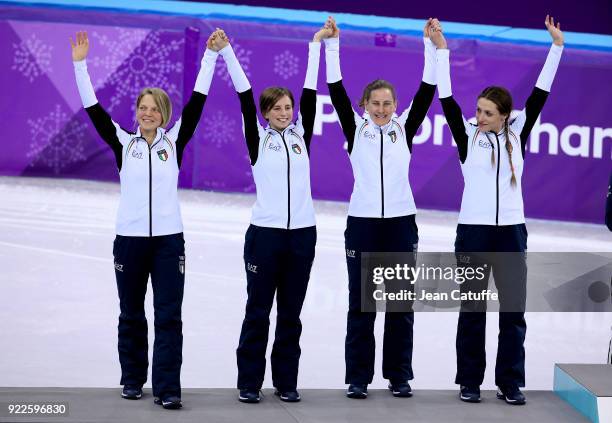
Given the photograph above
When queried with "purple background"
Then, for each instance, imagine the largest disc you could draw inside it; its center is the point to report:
(592, 16)
(47, 133)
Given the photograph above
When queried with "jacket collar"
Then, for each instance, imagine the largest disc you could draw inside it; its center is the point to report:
(269, 129)
(160, 133)
(385, 127)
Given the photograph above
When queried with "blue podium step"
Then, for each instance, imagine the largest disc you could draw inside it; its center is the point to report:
(587, 388)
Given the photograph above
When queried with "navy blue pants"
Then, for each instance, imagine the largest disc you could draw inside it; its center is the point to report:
(510, 275)
(398, 234)
(163, 258)
(276, 261)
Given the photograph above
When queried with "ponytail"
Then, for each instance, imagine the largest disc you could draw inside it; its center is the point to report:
(509, 150)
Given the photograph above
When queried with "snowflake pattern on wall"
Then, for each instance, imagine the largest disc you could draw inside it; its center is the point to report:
(109, 52)
(149, 65)
(56, 141)
(218, 128)
(32, 58)
(286, 64)
(244, 58)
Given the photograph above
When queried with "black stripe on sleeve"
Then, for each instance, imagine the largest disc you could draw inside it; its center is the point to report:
(249, 114)
(107, 131)
(454, 118)
(420, 105)
(189, 121)
(308, 110)
(342, 104)
(533, 107)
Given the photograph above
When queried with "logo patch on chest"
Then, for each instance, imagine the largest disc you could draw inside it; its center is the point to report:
(162, 154)
(393, 136)
(296, 149)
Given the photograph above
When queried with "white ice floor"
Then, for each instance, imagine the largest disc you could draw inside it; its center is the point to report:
(59, 307)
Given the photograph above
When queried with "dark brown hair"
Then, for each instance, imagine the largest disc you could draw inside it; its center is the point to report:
(270, 96)
(376, 85)
(503, 101)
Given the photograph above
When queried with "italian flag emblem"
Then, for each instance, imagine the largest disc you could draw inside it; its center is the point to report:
(296, 149)
(162, 154)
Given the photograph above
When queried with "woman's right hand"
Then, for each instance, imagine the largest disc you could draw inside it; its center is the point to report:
(435, 34)
(335, 31)
(80, 47)
(325, 31)
(219, 39)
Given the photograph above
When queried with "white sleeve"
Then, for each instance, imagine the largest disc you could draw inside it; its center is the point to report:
(88, 96)
(429, 68)
(312, 71)
(332, 60)
(547, 75)
(240, 80)
(443, 73)
(207, 69)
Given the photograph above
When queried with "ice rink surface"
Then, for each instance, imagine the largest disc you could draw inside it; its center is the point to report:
(59, 305)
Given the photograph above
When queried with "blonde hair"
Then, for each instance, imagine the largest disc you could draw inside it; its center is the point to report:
(162, 101)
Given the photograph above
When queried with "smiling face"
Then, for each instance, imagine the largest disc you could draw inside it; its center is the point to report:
(381, 105)
(488, 116)
(281, 113)
(148, 115)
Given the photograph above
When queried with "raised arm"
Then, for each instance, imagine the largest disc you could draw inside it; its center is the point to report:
(451, 109)
(425, 94)
(537, 98)
(108, 130)
(308, 100)
(183, 129)
(241, 83)
(337, 92)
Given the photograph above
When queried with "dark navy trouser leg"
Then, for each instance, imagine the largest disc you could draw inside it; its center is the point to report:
(276, 261)
(168, 281)
(132, 274)
(509, 271)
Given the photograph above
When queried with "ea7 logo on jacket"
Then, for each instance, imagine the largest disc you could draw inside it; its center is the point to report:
(137, 154)
(369, 135)
(252, 267)
(350, 253)
(296, 149)
(485, 144)
(275, 147)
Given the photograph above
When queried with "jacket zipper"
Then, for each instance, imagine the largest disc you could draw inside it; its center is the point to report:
(288, 181)
(382, 180)
(497, 185)
(151, 186)
(150, 195)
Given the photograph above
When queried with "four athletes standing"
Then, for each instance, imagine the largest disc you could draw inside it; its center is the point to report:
(280, 242)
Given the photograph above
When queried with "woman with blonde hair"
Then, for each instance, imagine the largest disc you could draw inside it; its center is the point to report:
(149, 227)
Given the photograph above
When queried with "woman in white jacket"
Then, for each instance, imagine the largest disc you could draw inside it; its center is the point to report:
(149, 239)
(279, 245)
(492, 218)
